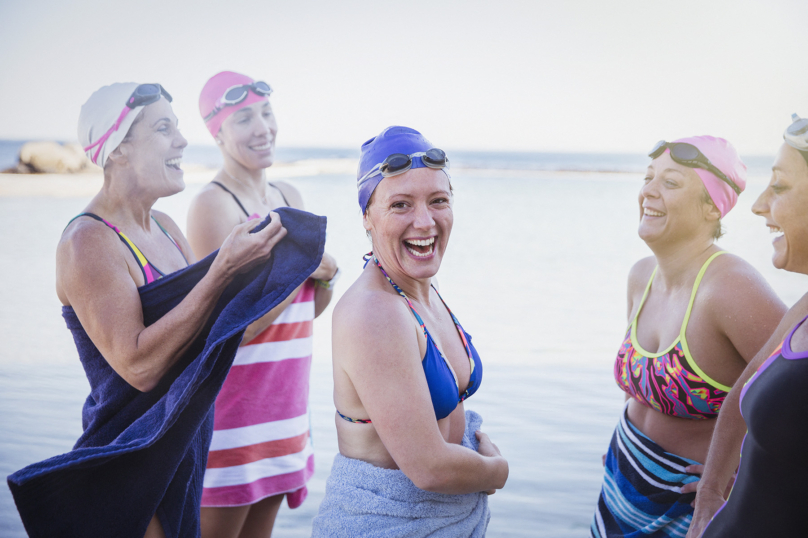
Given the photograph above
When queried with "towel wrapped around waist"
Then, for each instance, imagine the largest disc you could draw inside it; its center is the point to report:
(144, 453)
(364, 500)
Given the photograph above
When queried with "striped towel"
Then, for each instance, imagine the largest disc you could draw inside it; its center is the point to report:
(641, 495)
(261, 444)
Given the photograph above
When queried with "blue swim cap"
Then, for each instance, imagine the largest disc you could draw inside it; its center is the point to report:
(394, 139)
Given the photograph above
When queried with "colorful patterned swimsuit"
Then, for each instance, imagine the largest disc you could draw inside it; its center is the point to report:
(150, 272)
(444, 387)
(669, 381)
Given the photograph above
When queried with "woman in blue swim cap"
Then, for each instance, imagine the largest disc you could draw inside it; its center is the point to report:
(403, 365)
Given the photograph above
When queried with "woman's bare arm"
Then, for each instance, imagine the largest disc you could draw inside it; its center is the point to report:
(730, 428)
(376, 344)
(94, 277)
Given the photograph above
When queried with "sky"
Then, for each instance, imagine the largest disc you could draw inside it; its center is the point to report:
(572, 76)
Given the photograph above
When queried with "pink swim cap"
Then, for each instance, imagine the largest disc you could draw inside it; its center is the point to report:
(214, 89)
(724, 157)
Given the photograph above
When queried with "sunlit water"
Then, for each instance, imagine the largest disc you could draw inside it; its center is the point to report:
(535, 271)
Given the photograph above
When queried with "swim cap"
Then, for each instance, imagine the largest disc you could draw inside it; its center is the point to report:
(724, 157)
(394, 139)
(100, 113)
(214, 89)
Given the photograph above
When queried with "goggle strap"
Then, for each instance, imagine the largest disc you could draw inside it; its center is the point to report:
(100, 141)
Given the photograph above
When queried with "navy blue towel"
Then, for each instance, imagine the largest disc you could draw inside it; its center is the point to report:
(145, 453)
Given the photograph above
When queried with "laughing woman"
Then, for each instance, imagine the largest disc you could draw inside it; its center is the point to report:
(261, 451)
(766, 418)
(697, 315)
(411, 460)
(148, 332)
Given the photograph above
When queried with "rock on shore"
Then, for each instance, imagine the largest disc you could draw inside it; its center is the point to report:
(51, 158)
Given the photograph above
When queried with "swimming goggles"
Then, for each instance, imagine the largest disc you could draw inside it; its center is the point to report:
(145, 94)
(398, 163)
(796, 135)
(236, 94)
(692, 157)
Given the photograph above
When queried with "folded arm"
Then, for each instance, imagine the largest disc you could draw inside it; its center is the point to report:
(379, 350)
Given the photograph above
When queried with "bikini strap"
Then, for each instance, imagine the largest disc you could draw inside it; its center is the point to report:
(285, 201)
(644, 296)
(172, 239)
(233, 195)
(141, 259)
(400, 292)
(460, 330)
(696, 288)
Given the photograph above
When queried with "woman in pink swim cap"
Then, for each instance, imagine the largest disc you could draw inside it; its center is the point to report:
(697, 315)
(261, 450)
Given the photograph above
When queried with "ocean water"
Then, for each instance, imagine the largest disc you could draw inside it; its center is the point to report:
(209, 155)
(535, 271)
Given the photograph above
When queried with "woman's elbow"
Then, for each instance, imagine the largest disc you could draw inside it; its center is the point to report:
(436, 482)
(143, 379)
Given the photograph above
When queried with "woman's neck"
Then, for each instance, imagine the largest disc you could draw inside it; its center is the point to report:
(123, 204)
(678, 263)
(416, 289)
(251, 181)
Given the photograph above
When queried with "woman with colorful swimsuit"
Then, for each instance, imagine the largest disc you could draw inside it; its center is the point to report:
(261, 451)
(765, 422)
(696, 316)
(119, 244)
(403, 365)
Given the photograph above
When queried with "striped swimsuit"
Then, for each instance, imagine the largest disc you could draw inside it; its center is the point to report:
(261, 435)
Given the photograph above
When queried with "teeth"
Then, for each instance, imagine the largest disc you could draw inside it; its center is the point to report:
(262, 147)
(652, 213)
(421, 242)
(774, 229)
(420, 254)
(174, 162)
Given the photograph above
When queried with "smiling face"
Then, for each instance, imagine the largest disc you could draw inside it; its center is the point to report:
(672, 204)
(783, 204)
(410, 219)
(248, 136)
(152, 150)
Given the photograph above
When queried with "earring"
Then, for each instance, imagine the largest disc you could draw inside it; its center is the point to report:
(219, 142)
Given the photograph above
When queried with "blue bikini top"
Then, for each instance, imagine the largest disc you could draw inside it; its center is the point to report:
(440, 377)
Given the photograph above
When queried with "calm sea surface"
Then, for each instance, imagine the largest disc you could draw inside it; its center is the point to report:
(535, 271)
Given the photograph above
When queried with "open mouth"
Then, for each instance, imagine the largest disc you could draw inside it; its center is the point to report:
(420, 248)
(174, 163)
(773, 229)
(262, 147)
(652, 213)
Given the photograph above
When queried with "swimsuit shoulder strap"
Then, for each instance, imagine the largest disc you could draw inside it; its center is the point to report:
(285, 201)
(460, 330)
(148, 276)
(696, 288)
(644, 296)
(682, 338)
(172, 239)
(401, 292)
(233, 195)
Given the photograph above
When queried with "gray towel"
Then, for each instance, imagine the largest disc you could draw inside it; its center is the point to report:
(364, 500)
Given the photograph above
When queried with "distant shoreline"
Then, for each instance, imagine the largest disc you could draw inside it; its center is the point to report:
(89, 183)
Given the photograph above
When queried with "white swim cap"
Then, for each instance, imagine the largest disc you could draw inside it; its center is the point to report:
(100, 113)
